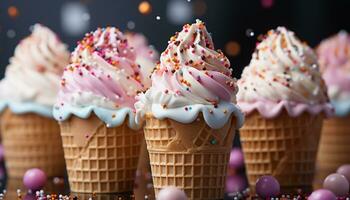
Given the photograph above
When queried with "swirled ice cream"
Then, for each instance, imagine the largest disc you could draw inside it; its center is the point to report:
(32, 78)
(283, 74)
(191, 78)
(103, 78)
(146, 55)
(334, 59)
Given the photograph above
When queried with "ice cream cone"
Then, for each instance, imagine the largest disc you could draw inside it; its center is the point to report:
(334, 148)
(100, 159)
(284, 147)
(192, 157)
(31, 141)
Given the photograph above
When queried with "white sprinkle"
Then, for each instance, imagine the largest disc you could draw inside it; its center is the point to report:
(158, 17)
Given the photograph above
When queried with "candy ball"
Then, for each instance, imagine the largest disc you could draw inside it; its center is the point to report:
(322, 194)
(34, 179)
(345, 170)
(171, 193)
(1, 153)
(236, 158)
(337, 183)
(235, 183)
(267, 186)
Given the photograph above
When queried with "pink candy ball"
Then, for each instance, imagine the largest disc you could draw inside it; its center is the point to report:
(235, 183)
(34, 179)
(336, 183)
(236, 158)
(171, 193)
(345, 170)
(322, 194)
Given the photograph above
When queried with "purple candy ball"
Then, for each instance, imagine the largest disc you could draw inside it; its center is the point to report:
(1, 153)
(235, 183)
(171, 193)
(34, 179)
(337, 183)
(236, 158)
(322, 194)
(267, 186)
(345, 170)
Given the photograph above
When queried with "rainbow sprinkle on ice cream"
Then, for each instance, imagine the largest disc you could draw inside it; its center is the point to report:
(103, 78)
(191, 78)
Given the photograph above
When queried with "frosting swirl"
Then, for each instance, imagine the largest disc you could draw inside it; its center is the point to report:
(334, 59)
(102, 75)
(192, 77)
(283, 71)
(146, 56)
(33, 75)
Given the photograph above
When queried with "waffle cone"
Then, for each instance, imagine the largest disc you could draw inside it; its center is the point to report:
(334, 149)
(192, 157)
(284, 147)
(100, 159)
(31, 141)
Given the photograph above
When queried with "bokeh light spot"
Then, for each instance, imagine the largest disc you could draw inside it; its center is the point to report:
(11, 33)
(267, 3)
(232, 48)
(145, 8)
(12, 11)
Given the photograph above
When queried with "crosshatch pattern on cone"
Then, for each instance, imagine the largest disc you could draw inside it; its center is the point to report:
(284, 147)
(192, 157)
(106, 163)
(31, 141)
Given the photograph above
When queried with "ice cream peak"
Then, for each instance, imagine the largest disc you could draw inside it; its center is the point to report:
(191, 78)
(103, 74)
(32, 78)
(283, 71)
(334, 59)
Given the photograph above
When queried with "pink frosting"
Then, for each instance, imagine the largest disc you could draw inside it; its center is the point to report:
(102, 72)
(334, 59)
(270, 109)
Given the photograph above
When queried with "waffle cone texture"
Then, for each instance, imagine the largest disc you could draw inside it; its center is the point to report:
(100, 159)
(284, 147)
(31, 141)
(192, 157)
(334, 148)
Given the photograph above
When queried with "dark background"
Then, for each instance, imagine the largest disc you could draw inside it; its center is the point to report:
(227, 20)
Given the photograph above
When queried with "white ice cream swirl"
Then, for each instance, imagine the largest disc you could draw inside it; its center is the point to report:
(34, 72)
(283, 70)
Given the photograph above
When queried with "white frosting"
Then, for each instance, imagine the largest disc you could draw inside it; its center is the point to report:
(33, 74)
(282, 69)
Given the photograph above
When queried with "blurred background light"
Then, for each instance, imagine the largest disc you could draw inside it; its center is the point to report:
(145, 8)
(232, 48)
(12, 11)
(75, 18)
(179, 12)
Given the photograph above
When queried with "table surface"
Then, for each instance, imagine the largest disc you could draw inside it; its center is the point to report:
(14, 189)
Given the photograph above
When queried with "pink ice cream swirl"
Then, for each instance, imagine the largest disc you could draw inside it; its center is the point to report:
(192, 77)
(334, 59)
(102, 75)
(283, 75)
